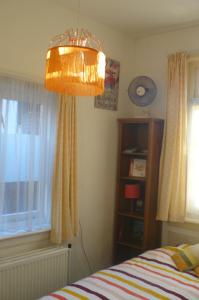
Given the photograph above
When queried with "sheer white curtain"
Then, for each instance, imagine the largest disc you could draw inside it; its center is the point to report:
(193, 165)
(27, 140)
(192, 209)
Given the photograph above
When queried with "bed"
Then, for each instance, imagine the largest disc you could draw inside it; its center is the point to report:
(152, 275)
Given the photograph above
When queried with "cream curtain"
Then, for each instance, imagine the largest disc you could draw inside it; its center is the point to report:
(172, 184)
(64, 197)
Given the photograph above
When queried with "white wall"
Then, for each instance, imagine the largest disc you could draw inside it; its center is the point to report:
(151, 60)
(25, 30)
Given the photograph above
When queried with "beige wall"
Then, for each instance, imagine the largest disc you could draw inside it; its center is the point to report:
(25, 30)
(151, 60)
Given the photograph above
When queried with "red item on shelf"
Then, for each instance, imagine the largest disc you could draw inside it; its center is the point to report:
(132, 191)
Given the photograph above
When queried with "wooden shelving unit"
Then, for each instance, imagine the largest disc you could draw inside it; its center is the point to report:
(136, 228)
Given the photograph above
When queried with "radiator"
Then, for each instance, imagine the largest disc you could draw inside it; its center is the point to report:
(34, 274)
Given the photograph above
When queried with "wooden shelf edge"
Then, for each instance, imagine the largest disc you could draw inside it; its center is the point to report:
(143, 155)
(133, 246)
(131, 215)
(133, 178)
(139, 120)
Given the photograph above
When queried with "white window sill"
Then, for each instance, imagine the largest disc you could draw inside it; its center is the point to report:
(23, 233)
(24, 242)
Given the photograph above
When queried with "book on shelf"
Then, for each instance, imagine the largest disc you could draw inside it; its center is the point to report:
(137, 230)
(137, 168)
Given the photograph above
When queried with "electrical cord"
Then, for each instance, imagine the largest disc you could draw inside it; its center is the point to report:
(83, 248)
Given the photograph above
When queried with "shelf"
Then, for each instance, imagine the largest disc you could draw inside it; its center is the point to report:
(133, 178)
(133, 246)
(131, 215)
(140, 154)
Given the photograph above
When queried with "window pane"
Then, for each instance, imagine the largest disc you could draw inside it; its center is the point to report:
(15, 191)
(193, 166)
(25, 113)
(27, 140)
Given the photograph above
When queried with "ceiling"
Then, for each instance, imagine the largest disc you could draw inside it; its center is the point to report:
(139, 17)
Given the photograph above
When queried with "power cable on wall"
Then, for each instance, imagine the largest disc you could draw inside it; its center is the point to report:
(83, 248)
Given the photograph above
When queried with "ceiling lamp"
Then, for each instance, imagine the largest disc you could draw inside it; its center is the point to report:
(75, 64)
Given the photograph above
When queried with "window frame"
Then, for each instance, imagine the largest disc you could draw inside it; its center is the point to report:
(23, 215)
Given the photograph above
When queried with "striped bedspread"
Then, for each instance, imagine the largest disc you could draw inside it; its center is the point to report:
(151, 275)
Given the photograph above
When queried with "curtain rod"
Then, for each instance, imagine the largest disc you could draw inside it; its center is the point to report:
(193, 57)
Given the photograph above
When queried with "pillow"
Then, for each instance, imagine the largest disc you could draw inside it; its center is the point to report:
(176, 248)
(196, 270)
(187, 259)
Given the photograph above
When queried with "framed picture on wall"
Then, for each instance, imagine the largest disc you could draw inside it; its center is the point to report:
(109, 99)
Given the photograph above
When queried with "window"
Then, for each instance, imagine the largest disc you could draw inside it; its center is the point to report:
(27, 138)
(193, 145)
(193, 163)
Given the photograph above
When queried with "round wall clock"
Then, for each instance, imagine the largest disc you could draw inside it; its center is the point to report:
(142, 91)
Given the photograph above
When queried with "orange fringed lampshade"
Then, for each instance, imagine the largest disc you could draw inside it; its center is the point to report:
(75, 65)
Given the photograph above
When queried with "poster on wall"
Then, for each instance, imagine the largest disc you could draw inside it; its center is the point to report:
(109, 99)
